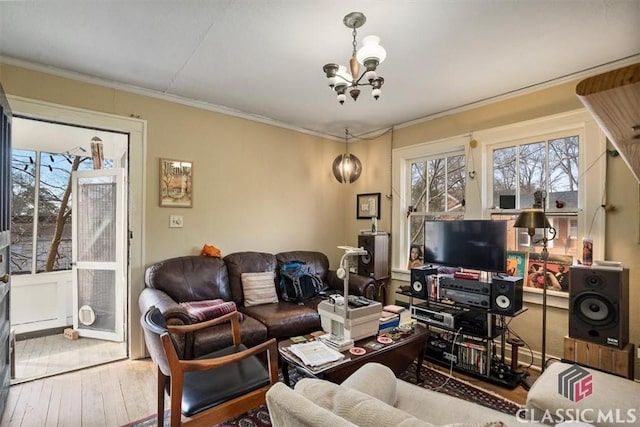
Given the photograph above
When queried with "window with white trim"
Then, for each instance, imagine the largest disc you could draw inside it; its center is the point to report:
(437, 191)
(562, 154)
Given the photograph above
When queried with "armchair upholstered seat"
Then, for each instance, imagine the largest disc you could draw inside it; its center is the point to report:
(214, 387)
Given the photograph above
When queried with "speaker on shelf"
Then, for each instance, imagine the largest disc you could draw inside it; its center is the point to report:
(376, 262)
(422, 279)
(506, 295)
(599, 305)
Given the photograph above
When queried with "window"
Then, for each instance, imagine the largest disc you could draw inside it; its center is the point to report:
(437, 191)
(42, 183)
(561, 154)
(550, 165)
(526, 169)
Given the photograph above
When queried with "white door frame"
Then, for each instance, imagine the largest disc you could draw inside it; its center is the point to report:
(137, 172)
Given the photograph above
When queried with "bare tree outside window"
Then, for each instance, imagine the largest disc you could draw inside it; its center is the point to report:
(437, 191)
(53, 226)
(548, 165)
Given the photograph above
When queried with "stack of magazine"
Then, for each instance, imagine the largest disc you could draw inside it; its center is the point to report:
(315, 353)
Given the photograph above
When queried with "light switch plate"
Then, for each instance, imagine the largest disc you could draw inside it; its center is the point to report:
(175, 221)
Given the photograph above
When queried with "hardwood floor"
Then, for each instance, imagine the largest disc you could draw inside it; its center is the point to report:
(54, 354)
(115, 394)
(108, 395)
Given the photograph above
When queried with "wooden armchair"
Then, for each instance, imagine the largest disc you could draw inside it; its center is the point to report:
(213, 387)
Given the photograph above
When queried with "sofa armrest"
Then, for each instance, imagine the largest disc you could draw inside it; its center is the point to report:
(604, 394)
(288, 408)
(173, 312)
(358, 285)
(376, 380)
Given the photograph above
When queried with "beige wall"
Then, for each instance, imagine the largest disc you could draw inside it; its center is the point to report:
(258, 187)
(623, 191)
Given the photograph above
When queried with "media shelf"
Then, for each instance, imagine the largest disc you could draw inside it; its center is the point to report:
(464, 335)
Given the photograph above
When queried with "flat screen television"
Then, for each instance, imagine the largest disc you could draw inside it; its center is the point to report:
(472, 244)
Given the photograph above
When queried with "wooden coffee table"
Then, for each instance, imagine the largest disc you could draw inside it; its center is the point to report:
(397, 355)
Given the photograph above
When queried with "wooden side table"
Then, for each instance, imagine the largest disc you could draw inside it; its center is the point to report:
(608, 359)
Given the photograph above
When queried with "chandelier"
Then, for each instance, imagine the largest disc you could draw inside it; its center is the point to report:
(370, 55)
(346, 167)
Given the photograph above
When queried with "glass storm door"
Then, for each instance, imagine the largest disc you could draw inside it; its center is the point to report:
(5, 243)
(99, 237)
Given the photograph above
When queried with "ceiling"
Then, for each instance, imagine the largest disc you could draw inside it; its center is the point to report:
(263, 59)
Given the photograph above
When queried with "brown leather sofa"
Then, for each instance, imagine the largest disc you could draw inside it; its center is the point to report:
(197, 278)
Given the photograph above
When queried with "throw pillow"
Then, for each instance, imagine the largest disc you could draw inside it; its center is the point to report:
(259, 288)
(200, 311)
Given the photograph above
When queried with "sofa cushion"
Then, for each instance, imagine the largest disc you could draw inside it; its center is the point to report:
(354, 406)
(259, 288)
(286, 319)
(246, 262)
(190, 278)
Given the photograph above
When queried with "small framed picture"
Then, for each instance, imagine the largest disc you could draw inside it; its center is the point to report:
(176, 183)
(368, 206)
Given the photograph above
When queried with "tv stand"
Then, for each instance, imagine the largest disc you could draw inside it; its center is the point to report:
(462, 337)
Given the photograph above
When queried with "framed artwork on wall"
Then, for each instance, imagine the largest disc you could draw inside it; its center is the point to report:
(368, 206)
(176, 183)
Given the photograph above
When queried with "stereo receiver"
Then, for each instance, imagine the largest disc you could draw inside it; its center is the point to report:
(473, 286)
(464, 297)
(436, 316)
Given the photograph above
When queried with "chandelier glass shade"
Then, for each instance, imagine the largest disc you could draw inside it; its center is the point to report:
(346, 167)
(370, 55)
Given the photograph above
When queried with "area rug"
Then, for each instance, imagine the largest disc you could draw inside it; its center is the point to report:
(432, 379)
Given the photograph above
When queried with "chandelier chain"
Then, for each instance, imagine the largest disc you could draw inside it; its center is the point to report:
(355, 44)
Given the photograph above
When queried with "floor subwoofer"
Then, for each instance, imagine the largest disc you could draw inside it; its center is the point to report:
(376, 262)
(599, 305)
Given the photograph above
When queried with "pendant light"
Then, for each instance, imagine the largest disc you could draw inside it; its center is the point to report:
(347, 167)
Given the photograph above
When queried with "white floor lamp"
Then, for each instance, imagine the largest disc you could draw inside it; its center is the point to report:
(532, 219)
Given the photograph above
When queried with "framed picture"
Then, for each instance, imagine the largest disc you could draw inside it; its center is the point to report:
(176, 183)
(517, 264)
(368, 205)
(557, 272)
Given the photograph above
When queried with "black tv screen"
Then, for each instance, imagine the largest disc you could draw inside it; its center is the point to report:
(473, 244)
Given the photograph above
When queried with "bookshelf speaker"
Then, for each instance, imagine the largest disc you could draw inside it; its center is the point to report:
(506, 295)
(376, 262)
(599, 305)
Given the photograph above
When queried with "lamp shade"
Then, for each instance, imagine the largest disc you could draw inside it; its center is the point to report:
(371, 49)
(532, 219)
(347, 168)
